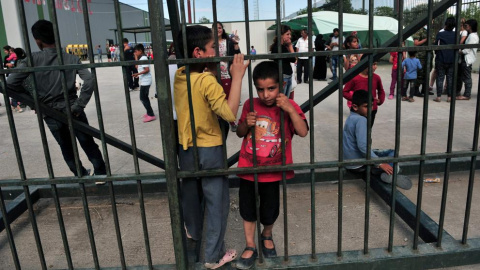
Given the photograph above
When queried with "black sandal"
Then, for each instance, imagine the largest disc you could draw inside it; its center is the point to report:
(268, 252)
(247, 263)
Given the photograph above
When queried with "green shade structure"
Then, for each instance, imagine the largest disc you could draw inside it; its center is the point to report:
(325, 21)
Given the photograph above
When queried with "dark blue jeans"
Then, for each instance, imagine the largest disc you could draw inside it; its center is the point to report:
(465, 76)
(145, 100)
(442, 70)
(334, 66)
(62, 135)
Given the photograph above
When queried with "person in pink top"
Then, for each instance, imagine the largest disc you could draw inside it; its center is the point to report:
(360, 82)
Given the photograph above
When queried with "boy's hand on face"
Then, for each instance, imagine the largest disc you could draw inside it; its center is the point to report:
(238, 66)
(284, 104)
(251, 119)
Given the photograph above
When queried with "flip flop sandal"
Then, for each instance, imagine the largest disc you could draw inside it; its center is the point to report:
(229, 256)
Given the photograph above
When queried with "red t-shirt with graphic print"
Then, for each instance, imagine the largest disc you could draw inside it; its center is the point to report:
(268, 140)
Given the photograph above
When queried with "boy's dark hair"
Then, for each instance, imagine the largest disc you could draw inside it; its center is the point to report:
(139, 47)
(224, 34)
(450, 23)
(336, 30)
(359, 97)
(266, 70)
(6, 47)
(43, 31)
(412, 53)
(197, 36)
(125, 40)
(473, 24)
(20, 53)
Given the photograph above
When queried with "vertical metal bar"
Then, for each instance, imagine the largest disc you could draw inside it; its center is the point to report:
(217, 54)
(162, 80)
(102, 134)
(189, 88)
(424, 128)
(33, 221)
(282, 131)
(471, 179)
(53, 16)
(28, 51)
(313, 255)
(132, 133)
(43, 135)
(61, 224)
(126, 87)
(23, 176)
(252, 131)
(397, 129)
(340, 132)
(369, 128)
(451, 123)
(11, 241)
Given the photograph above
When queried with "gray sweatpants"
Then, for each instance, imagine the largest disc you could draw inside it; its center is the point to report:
(206, 195)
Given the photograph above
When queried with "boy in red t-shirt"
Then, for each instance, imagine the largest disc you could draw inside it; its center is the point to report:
(265, 117)
(360, 82)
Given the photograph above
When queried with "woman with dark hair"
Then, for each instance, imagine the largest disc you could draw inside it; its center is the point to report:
(320, 69)
(287, 47)
(350, 60)
(227, 46)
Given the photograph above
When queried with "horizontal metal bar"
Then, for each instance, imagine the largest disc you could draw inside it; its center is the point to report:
(426, 257)
(18, 206)
(155, 182)
(435, 161)
(452, 253)
(247, 57)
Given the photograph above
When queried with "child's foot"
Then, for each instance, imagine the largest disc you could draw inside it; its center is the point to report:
(404, 98)
(390, 97)
(437, 99)
(247, 260)
(268, 247)
(411, 100)
(148, 118)
(229, 256)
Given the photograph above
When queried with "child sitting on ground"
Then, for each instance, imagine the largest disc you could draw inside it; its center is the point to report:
(265, 117)
(360, 82)
(410, 65)
(145, 82)
(209, 102)
(355, 143)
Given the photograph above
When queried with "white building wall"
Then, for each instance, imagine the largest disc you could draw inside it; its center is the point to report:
(12, 23)
(260, 37)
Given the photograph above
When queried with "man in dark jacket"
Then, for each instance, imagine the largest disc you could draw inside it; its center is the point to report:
(444, 61)
(50, 92)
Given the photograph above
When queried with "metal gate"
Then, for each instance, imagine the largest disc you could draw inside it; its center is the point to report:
(440, 249)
